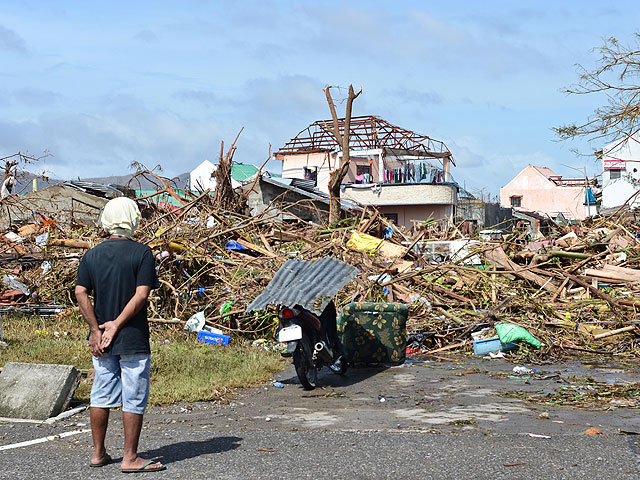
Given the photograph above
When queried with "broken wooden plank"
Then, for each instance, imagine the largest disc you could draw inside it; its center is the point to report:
(266, 243)
(69, 243)
(628, 273)
(444, 291)
(448, 347)
(498, 256)
(284, 236)
(417, 239)
(614, 332)
(611, 301)
(255, 248)
(606, 277)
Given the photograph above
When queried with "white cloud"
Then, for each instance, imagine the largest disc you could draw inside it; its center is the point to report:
(105, 143)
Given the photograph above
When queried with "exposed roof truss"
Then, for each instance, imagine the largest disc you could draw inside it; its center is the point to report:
(365, 133)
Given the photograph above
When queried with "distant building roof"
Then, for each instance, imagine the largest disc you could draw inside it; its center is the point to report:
(305, 188)
(202, 177)
(546, 171)
(94, 188)
(366, 132)
(241, 171)
(162, 197)
(566, 182)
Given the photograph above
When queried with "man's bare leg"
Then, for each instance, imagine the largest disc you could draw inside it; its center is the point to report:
(132, 427)
(99, 422)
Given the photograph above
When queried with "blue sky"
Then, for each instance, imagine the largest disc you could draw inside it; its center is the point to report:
(103, 84)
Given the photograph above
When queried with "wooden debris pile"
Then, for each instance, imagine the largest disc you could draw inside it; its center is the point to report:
(576, 292)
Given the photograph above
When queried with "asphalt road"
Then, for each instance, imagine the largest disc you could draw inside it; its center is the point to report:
(445, 421)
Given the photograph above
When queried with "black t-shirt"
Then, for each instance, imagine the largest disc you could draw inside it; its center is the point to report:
(112, 270)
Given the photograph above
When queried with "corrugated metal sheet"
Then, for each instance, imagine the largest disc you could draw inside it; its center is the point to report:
(301, 282)
(93, 188)
(287, 183)
(308, 185)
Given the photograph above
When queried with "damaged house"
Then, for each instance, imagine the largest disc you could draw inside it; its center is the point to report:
(620, 172)
(407, 176)
(72, 203)
(541, 190)
(285, 199)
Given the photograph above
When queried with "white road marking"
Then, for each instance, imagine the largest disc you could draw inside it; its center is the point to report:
(43, 439)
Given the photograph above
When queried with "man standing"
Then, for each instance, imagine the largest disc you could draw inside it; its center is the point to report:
(120, 273)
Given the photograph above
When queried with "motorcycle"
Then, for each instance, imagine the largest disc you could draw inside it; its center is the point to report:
(312, 341)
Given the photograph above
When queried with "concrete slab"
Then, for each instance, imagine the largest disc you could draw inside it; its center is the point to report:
(36, 391)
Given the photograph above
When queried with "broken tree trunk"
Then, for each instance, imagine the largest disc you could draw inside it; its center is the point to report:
(336, 177)
(498, 256)
(224, 194)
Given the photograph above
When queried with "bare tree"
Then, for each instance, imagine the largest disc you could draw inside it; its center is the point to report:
(617, 77)
(224, 194)
(9, 166)
(336, 177)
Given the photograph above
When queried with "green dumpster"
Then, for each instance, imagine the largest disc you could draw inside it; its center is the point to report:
(374, 332)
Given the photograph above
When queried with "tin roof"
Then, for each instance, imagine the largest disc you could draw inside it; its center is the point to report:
(304, 188)
(94, 188)
(301, 282)
(242, 171)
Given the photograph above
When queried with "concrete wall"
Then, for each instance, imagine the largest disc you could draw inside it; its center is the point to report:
(354, 162)
(411, 202)
(408, 194)
(65, 205)
(408, 215)
(495, 214)
(263, 194)
(541, 195)
(484, 214)
(616, 191)
(293, 166)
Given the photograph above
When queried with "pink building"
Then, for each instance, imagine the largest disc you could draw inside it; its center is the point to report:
(405, 175)
(539, 189)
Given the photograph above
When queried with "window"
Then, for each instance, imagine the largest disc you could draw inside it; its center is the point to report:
(362, 169)
(311, 173)
(614, 174)
(516, 201)
(391, 216)
(363, 173)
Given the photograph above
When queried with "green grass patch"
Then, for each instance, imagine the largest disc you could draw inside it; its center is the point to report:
(182, 369)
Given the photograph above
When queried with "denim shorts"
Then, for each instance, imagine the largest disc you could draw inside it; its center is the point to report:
(121, 381)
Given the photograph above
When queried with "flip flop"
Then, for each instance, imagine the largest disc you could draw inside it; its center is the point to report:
(144, 468)
(106, 461)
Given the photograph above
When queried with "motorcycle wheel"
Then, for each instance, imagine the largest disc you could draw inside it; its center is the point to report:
(307, 374)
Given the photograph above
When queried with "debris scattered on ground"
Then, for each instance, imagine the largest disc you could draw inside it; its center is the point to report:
(586, 394)
(575, 292)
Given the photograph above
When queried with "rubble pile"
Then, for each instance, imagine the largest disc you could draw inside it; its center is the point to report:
(575, 291)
